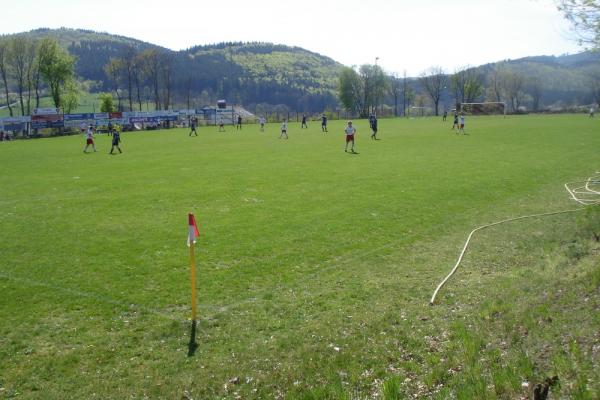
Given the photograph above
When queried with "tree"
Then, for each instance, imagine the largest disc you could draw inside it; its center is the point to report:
(495, 84)
(36, 76)
(594, 79)
(32, 69)
(4, 49)
(189, 92)
(351, 90)
(406, 93)
(113, 71)
(166, 66)
(467, 84)
(70, 99)
(513, 83)
(138, 77)
(395, 91)
(535, 88)
(21, 58)
(56, 68)
(129, 65)
(374, 87)
(151, 62)
(584, 15)
(434, 81)
(106, 102)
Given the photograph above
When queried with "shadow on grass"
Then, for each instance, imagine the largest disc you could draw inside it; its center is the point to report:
(192, 346)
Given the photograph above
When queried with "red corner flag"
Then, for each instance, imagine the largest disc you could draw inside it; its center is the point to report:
(193, 233)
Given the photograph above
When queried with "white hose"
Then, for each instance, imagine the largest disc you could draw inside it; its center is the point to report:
(583, 195)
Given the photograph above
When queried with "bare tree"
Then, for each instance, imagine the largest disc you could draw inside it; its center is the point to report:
(113, 71)
(495, 84)
(4, 50)
(584, 15)
(535, 88)
(374, 87)
(166, 67)
(151, 62)
(467, 83)
(406, 89)
(513, 83)
(32, 66)
(594, 79)
(434, 81)
(189, 91)
(395, 91)
(128, 66)
(138, 77)
(36, 77)
(20, 59)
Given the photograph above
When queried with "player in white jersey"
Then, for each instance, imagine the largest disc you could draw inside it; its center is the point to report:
(284, 130)
(89, 139)
(350, 132)
(261, 120)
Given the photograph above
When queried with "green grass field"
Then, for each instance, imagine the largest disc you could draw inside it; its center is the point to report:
(315, 266)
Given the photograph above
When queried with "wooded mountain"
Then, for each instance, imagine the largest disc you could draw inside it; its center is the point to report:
(243, 73)
(263, 76)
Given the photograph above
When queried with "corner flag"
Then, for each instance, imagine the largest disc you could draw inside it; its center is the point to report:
(192, 235)
(193, 230)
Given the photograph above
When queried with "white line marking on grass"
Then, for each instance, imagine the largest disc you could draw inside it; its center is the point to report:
(582, 195)
(89, 295)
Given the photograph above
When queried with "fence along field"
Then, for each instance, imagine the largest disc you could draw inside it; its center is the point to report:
(315, 266)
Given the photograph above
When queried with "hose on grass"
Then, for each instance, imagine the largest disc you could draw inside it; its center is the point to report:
(584, 195)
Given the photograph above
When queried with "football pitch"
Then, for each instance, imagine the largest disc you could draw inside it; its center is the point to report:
(315, 266)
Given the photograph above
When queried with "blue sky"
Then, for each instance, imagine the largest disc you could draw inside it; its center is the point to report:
(409, 35)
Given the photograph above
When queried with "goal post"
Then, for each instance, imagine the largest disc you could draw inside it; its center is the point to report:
(485, 108)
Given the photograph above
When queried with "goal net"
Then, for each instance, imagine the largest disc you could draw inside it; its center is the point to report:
(487, 108)
(417, 112)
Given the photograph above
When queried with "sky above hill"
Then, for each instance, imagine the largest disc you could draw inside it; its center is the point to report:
(399, 35)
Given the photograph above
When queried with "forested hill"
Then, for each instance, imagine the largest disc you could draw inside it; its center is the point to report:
(245, 73)
(265, 76)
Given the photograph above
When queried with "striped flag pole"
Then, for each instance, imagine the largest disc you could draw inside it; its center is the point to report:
(193, 233)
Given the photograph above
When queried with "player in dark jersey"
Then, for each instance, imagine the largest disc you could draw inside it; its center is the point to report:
(193, 123)
(324, 123)
(116, 139)
(455, 123)
(304, 125)
(373, 123)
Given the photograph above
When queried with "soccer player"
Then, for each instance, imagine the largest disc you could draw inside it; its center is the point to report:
(592, 112)
(462, 124)
(445, 115)
(193, 127)
(373, 123)
(89, 139)
(239, 123)
(284, 129)
(303, 122)
(261, 120)
(116, 139)
(221, 125)
(350, 131)
(455, 123)
(110, 128)
(324, 123)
